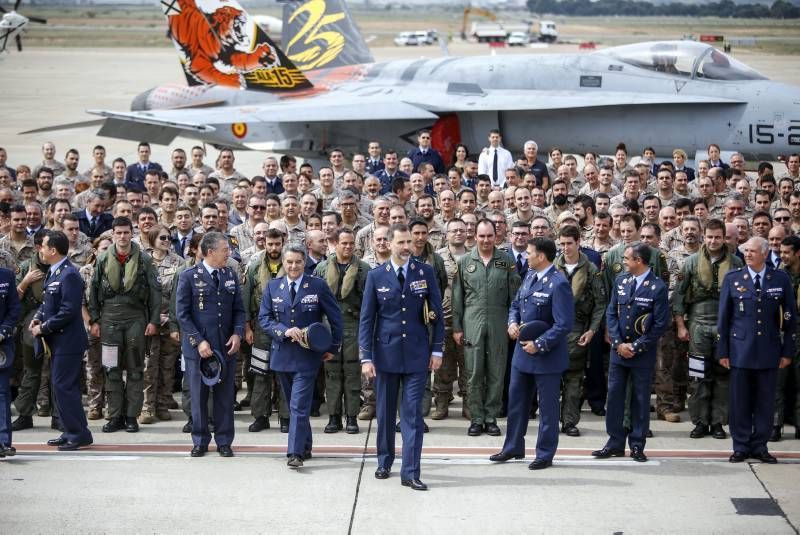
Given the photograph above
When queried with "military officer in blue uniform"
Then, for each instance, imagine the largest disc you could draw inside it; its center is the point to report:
(636, 317)
(59, 323)
(209, 309)
(400, 337)
(290, 304)
(537, 365)
(9, 315)
(756, 326)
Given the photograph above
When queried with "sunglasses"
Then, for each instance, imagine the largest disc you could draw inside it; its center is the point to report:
(259, 207)
(163, 238)
(782, 218)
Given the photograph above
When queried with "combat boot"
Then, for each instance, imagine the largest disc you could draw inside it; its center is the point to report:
(147, 417)
(95, 414)
(334, 424)
(163, 414)
(367, 412)
(440, 411)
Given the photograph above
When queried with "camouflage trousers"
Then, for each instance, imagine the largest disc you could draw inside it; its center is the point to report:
(95, 376)
(33, 388)
(672, 373)
(452, 369)
(159, 371)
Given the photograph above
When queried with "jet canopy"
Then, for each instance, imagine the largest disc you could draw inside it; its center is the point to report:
(688, 59)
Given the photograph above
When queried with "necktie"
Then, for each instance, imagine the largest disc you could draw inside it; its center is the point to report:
(292, 291)
(92, 225)
(758, 284)
(777, 261)
(535, 278)
(520, 265)
(494, 167)
(401, 277)
(183, 246)
(215, 276)
(633, 290)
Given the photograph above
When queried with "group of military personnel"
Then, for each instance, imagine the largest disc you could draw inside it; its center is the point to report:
(637, 271)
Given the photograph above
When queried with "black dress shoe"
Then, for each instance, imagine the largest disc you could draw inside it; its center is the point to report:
(237, 406)
(475, 429)
(381, 473)
(737, 457)
(638, 455)
(22, 423)
(114, 425)
(7, 451)
(765, 457)
(503, 457)
(187, 427)
(131, 425)
(351, 428)
(334, 424)
(425, 427)
(57, 441)
(718, 432)
(540, 464)
(259, 424)
(571, 431)
(198, 451)
(74, 446)
(284, 425)
(295, 461)
(649, 433)
(776, 434)
(415, 484)
(607, 452)
(493, 430)
(598, 411)
(699, 431)
(225, 451)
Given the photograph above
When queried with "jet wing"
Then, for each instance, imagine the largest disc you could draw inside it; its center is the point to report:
(313, 109)
(470, 97)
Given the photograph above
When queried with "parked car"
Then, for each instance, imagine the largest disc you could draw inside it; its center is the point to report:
(406, 39)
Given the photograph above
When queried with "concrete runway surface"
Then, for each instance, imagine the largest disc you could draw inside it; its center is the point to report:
(146, 482)
(49, 86)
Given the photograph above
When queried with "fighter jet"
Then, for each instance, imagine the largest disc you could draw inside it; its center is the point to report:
(325, 91)
(12, 26)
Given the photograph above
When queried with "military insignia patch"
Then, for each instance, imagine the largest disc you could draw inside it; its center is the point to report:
(646, 283)
(499, 264)
(787, 316)
(471, 268)
(305, 285)
(745, 277)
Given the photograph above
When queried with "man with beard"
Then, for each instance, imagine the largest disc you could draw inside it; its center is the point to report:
(696, 298)
(560, 201)
(259, 237)
(584, 209)
(264, 267)
(425, 210)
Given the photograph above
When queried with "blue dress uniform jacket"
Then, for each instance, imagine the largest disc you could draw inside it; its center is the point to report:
(549, 299)
(213, 314)
(9, 315)
(756, 332)
(391, 333)
(393, 336)
(278, 313)
(296, 366)
(639, 318)
(431, 156)
(64, 332)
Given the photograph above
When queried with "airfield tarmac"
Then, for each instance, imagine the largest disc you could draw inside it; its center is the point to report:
(147, 483)
(52, 86)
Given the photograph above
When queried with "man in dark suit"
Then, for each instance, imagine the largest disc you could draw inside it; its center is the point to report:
(59, 323)
(9, 315)
(537, 366)
(424, 153)
(756, 325)
(93, 221)
(637, 316)
(402, 304)
(389, 172)
(290, 304)
(210, 312)
(134, 174)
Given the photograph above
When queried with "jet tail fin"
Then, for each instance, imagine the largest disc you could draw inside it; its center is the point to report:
(322, 34)
(221, 44)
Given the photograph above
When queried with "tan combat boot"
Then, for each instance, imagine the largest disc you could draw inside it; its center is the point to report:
(367, 412)
(147, 417)
(440, 411)
(95, 414)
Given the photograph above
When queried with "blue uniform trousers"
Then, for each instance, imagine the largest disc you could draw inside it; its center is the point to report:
(224, 395)
(5, 406)
(298, 390)
(641, 381)
(521, 392)
(387, 387)
(752, 402)
(66, 380)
